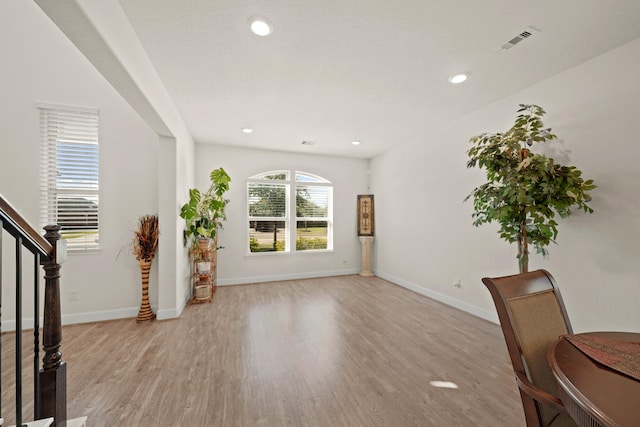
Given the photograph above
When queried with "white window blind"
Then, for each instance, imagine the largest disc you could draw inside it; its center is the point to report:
(271, 195)
(268, 212)
(69, 174)
(314, 196)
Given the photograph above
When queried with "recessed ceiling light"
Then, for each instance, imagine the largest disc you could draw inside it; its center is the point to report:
(355, 142)
(260, 26)
(458, 78)
(247, 130)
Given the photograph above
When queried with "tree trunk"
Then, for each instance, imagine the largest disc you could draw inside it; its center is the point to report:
(275, 236)
(523, 251)
(523, 243)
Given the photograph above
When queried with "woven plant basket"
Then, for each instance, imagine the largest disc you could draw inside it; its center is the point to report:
(204, 244)
(202, 292)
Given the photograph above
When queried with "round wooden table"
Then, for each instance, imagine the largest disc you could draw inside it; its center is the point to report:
(593, 394)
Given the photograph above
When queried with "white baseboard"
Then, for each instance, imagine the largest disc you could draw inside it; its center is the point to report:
(280, 277)
(10, 325)
(132, 312)
(70, 319)
(445, 299)
(173, 313)
(169, 313)
(98, 316)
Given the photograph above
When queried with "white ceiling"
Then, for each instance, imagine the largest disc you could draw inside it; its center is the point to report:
(372, 70)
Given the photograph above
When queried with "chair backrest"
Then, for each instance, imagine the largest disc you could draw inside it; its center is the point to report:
(532, 316)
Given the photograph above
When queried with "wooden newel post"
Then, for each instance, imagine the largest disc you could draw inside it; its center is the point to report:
(53, 375)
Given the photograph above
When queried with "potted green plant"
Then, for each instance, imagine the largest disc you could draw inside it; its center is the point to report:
(524, 190)
(205, 211)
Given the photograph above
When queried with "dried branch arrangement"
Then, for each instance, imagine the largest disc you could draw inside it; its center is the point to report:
(145, 242)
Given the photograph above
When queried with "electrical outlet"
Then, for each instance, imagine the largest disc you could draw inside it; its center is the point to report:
(456, 283)
(73, 295)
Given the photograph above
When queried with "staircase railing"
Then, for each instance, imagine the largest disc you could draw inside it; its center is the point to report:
(50, 385)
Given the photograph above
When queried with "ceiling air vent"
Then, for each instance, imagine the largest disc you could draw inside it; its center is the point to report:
(517, 39)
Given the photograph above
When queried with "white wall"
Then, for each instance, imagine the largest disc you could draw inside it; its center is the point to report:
(235, 266)
(176, 176)
(102, 32)
(40, 64)
(425, 237)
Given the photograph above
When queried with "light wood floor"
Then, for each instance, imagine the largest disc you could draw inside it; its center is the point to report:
(343, 351)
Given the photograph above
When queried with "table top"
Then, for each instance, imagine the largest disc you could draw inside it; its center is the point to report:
(592, 392)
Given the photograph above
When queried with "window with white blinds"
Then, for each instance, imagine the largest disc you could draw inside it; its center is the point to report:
(270, 198)
(313, 203)
(69, 174)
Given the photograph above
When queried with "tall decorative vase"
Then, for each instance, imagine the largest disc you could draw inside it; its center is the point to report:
(145, 312)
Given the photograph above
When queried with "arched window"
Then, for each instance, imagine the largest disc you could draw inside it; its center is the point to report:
(273, 196)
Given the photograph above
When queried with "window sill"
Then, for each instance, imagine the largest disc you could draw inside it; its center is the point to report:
(81, 251)
(282, 253)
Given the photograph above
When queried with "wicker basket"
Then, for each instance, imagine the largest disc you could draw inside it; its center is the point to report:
(202, 292)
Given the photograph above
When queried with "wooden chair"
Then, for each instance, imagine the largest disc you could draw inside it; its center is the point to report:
(532, 316)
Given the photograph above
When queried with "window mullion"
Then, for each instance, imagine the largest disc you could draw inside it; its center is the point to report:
(291, 217)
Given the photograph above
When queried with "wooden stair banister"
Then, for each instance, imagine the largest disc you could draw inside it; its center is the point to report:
(16, 225)
(50, 386)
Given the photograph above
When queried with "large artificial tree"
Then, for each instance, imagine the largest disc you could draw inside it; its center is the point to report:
(524, 190)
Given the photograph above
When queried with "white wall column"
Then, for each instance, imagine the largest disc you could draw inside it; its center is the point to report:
(366, 242)
(167, 271)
